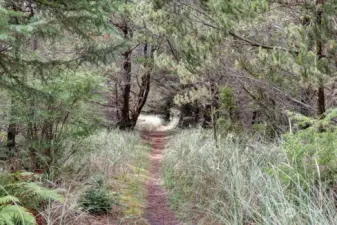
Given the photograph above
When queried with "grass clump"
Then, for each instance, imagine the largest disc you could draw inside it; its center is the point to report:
(233, 184)
(105, 177)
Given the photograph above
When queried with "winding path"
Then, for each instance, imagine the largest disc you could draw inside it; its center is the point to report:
(157, 211)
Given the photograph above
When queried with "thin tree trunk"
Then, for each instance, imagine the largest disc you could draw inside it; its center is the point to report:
(126, 68)
(145, 84)
(321, 91)
(305, 93)
(125, 117)
(117, 102)
(215, 110)
(321, 99)
(12, 126)
(11, 135)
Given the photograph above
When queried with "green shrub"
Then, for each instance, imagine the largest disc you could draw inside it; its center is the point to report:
(313, 150)
(55, 125)
(98, 200)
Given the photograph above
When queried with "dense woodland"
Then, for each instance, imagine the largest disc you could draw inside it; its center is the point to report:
(254, 82)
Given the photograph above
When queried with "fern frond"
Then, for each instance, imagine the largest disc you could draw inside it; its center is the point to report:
(11, 213)
(9, 199)
(44, 193)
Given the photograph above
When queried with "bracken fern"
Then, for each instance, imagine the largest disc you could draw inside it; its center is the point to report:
(21, 199)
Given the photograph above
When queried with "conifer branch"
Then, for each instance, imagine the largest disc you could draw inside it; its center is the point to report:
(256, 44)
(234, 35)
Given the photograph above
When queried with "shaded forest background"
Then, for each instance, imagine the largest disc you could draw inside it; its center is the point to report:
(264, 69)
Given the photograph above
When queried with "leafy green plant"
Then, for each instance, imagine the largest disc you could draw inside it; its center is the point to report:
(98, 200)
(228, 99)
(313, 150)
(57, 124)
(20, 198)
(11, 212)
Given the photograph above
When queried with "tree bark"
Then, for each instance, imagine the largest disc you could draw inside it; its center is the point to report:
(11, 135)
(215, 105)
(125, 117)
(305, 92)
(145, 84)
(126, 89)
(319, 46)
(321, 99)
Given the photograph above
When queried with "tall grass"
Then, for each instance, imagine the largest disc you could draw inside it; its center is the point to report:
(232, 184)
(116, 159)
(108, 154)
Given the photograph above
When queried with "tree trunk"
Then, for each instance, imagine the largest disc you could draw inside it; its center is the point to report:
(305, 99)
(11, 134)
(145, 84)
(47, 137)
(319, 46)
(321, 99)
(125, 116)
(215, 109)
(126, 89)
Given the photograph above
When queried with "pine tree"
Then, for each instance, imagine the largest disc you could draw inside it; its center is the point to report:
(42, 43)
(133, 79)
(193, 43)
(203, 32)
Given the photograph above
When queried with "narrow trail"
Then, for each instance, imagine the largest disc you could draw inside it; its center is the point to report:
(157, 211)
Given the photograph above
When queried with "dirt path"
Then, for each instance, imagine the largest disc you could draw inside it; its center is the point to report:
(157, 211)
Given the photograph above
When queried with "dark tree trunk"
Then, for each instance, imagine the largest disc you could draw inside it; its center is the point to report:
(305, 99)
(320, 92)
(117, 101)
(196, 112)
(215, 109)
(48, 151)
(145, 84)
(321, 99)
(126, 89)
(11, 134)
(125, 114)
(207, 119)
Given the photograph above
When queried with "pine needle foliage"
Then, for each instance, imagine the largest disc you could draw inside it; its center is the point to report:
(43, 45)
(313, 150)
(49, 21)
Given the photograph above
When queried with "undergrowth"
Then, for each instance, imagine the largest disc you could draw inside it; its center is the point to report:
(240, 183)
(106, 177)
(21, 198)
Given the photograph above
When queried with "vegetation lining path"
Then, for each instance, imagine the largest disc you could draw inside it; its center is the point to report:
(157, 211)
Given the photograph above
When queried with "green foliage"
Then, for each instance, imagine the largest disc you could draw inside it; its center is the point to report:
(44, 55)
(229, 184)
(58, 123)
(97, 200)
(19, 197)
(227, 98)
(313, 150)
(15, 215)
